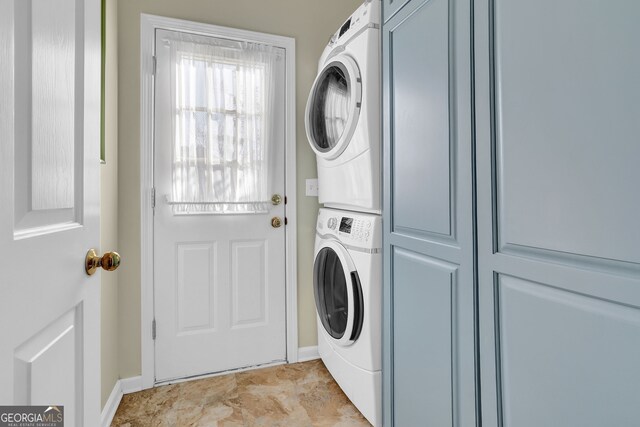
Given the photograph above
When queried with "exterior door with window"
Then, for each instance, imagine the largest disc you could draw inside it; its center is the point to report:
(49, 206)
(219, 222)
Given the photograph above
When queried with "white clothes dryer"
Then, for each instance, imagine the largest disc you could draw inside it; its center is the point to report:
(342, 117)
(347, 283)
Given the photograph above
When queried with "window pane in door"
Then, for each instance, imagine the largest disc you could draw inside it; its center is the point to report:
(222, 93)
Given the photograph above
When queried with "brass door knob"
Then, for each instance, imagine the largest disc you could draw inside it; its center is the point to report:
(276, 199)
(276, 222)
(109, 261)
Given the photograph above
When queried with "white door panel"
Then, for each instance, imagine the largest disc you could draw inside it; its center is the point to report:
(219, 279)
(49, 214)
(248, 283)
(195, 294)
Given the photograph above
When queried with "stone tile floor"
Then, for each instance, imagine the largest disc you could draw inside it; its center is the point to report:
(296, 395)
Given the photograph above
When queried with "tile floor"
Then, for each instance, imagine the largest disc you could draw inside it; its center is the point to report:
(297, 395)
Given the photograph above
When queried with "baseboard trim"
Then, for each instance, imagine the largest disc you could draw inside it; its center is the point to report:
(110, 408)
(308, 353)
(120, 388)
(131, 385)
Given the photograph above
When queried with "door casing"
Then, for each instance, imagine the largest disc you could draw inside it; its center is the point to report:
(148, 26)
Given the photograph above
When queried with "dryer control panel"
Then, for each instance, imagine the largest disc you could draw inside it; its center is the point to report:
(366, 15)
(350, 227)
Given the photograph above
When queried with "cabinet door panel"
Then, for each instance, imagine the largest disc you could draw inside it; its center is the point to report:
(429, 354)
(423, 292)
(558, 253)
(566, 112)
(389, 7)
(420, 154)
(547, 355)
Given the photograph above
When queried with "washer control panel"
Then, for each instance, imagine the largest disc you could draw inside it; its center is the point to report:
(353, 227)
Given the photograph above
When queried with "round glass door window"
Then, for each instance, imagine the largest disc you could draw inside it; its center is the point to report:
(333, 106)
(333, 287)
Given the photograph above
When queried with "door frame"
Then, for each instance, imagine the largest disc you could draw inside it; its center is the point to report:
(148, 26)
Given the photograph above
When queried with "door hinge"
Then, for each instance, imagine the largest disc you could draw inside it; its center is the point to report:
(153, 329)
(154, 64)
(153, 198)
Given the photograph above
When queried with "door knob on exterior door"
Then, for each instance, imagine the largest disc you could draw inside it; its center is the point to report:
(109, 261)
(276, 222)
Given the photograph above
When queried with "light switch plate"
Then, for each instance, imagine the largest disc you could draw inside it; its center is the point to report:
(312, 187)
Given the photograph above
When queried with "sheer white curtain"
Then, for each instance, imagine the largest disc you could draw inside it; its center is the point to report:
(222, 91)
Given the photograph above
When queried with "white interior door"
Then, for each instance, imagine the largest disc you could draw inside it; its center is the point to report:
(49, 209)
(219, 277)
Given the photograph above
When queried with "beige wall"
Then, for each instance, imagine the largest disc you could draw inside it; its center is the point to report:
(109, 207)
(310, 22)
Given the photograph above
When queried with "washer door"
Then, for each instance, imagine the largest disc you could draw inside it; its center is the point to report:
(338, 293)
(333, 107)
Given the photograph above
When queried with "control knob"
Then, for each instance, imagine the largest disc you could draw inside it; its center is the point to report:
(332, 223)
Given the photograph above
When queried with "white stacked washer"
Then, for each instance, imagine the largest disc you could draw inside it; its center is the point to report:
(343, 126)
(347, 287)
(343, 114)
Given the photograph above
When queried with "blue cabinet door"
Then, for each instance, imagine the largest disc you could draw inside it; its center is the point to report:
(389, 7)
(429, 353)
(558, 148)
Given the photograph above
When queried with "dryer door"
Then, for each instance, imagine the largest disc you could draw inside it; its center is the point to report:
(338, 293)
(333, 107)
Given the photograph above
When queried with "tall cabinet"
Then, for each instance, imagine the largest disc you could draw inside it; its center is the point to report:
(558, 154)
(429, 358)
(511, 213)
